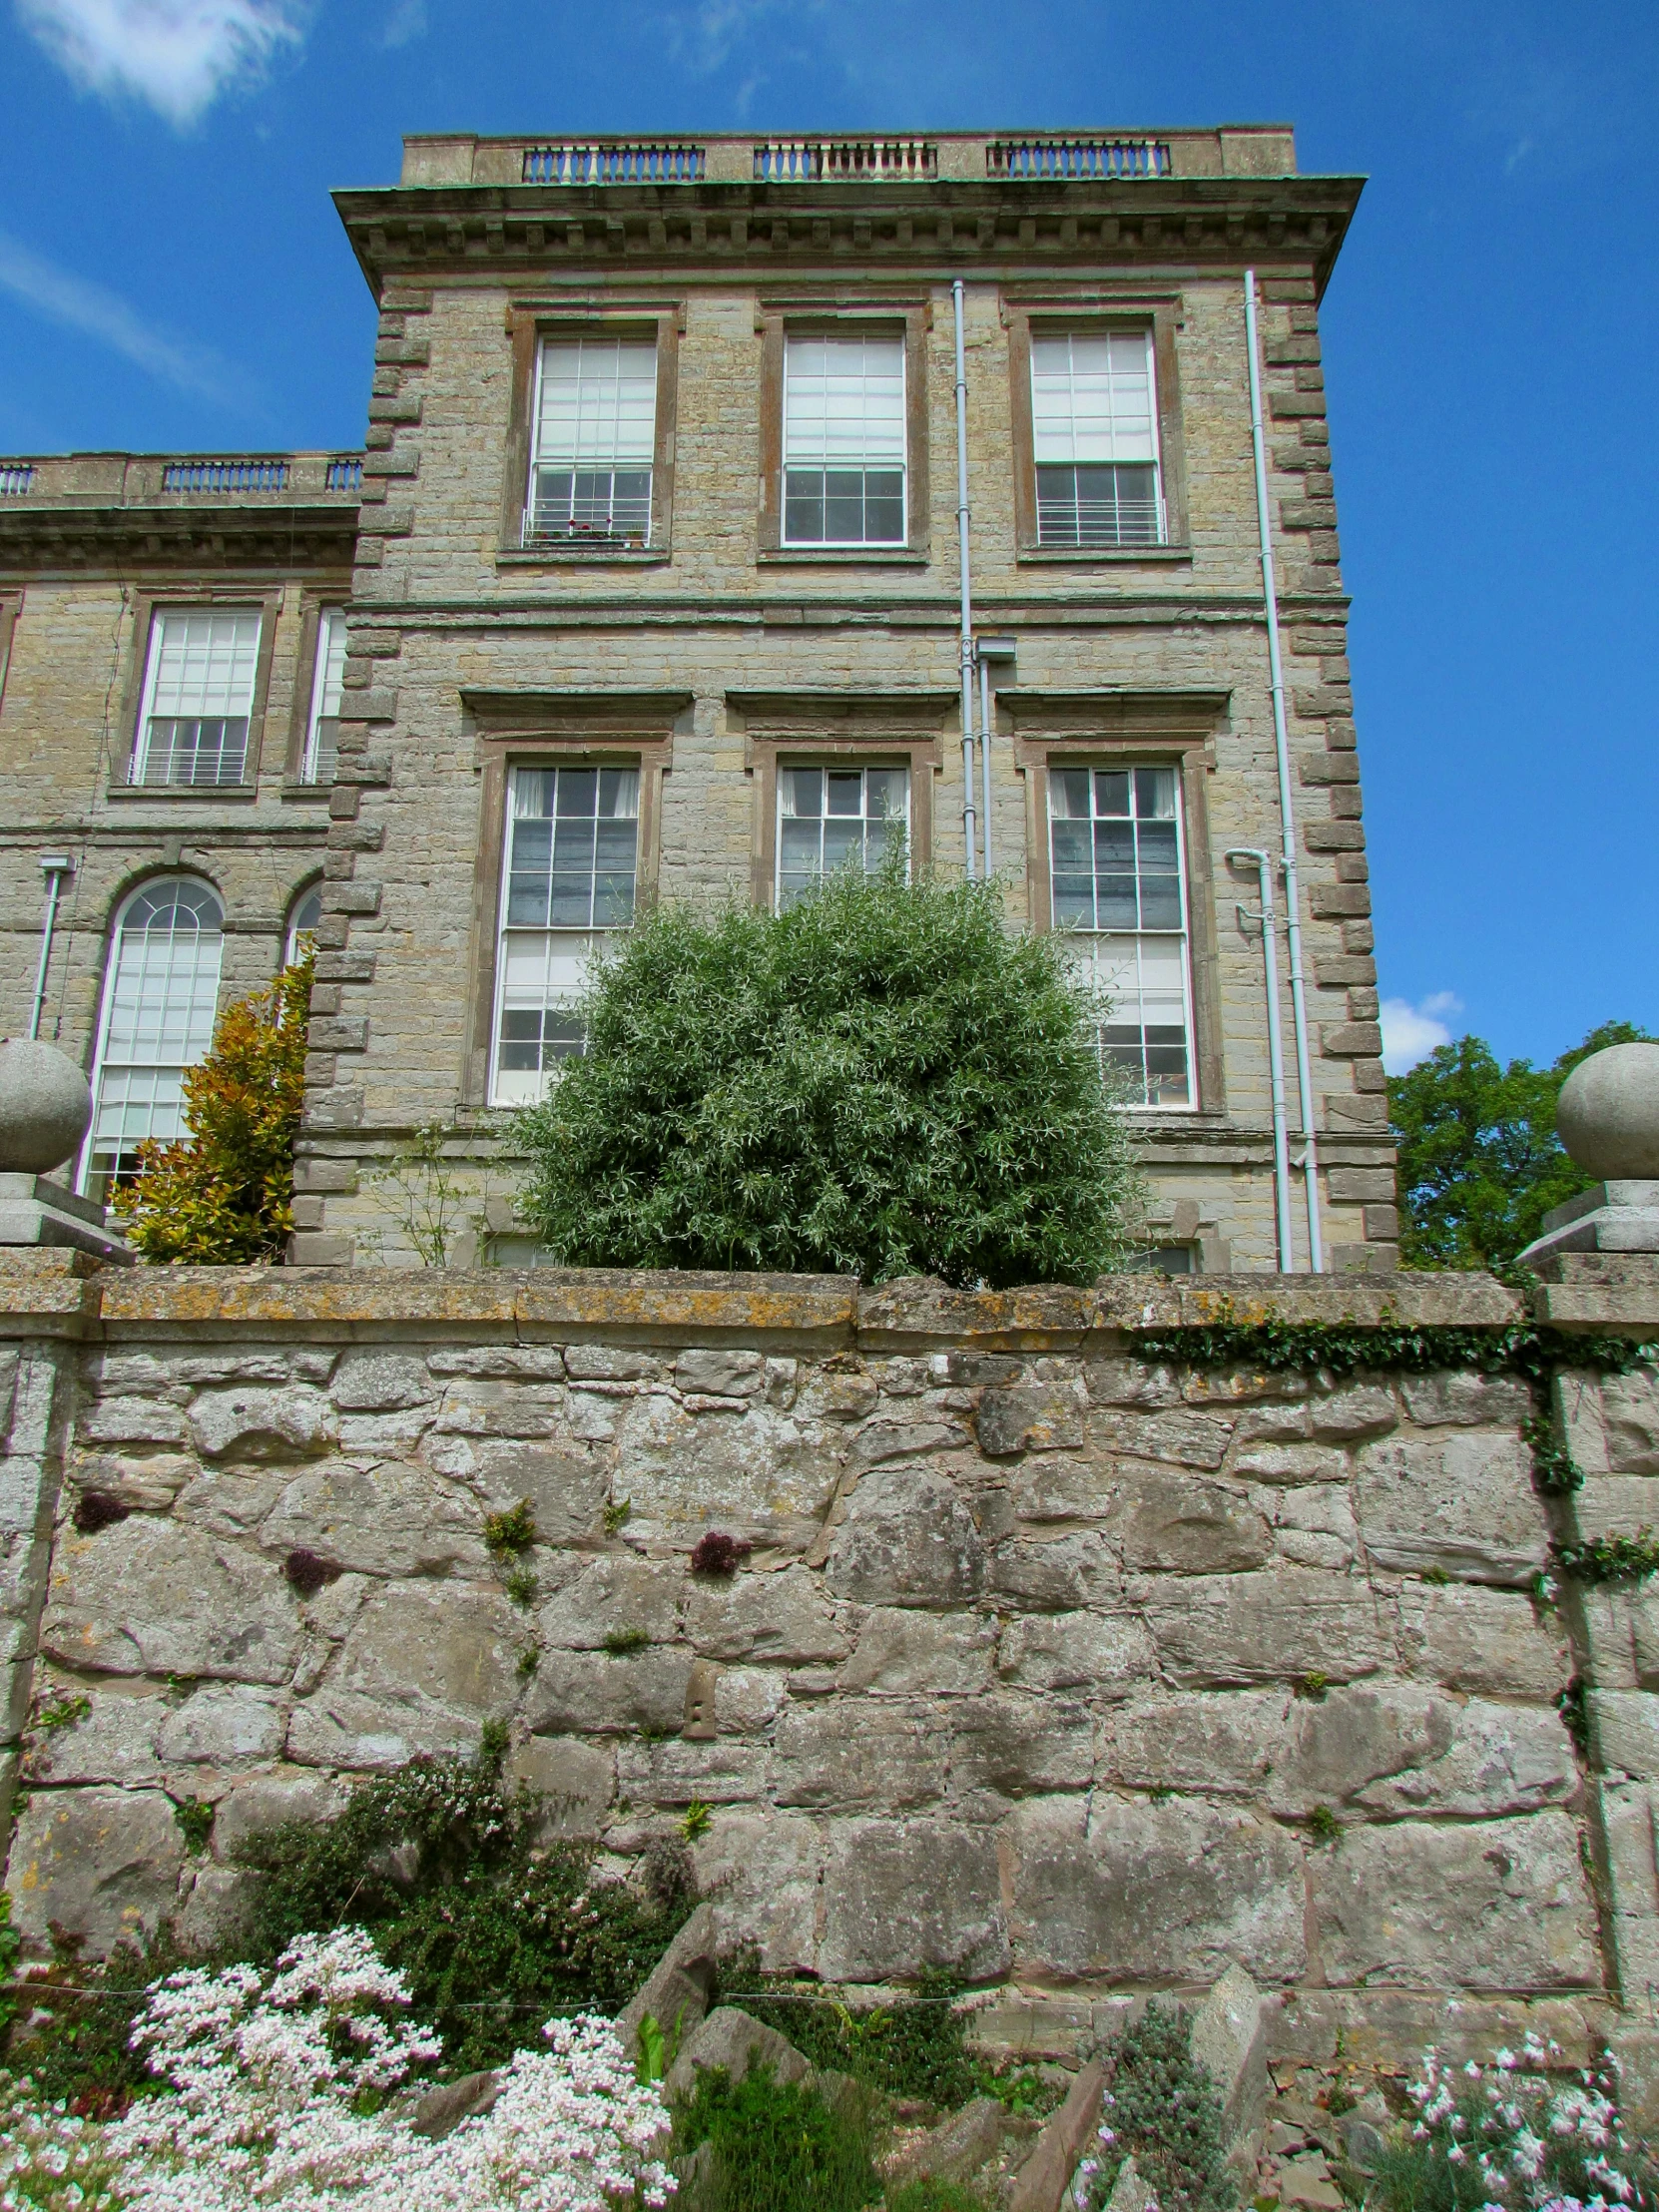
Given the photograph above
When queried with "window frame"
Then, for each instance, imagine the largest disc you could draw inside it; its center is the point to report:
(813, 730)
(518, 730)
(218, 598)
(909, 316)
(314, 604)
(529, 327)
(113, 939)
(11, 608)
(873, 757)
(1120, 731)
(1056, 313)
(594, 933)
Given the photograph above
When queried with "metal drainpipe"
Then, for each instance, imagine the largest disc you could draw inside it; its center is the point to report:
(1263, 864)
(1287, 809)
(969, 830)
(54, 866)
(985, 764)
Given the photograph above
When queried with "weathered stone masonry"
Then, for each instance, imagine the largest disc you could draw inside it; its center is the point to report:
(1042, 1661)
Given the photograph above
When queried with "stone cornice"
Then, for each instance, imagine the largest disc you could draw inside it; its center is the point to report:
(47, 537)
(926, 229)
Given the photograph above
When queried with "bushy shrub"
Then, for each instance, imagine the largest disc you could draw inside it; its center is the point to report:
(1161, 2107)
(879, 1081)
(224, 1194)
(1513, 2136)
(440, 1862)
(773, 2145)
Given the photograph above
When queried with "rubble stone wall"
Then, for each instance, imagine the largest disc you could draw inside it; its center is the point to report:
(1069, 1669)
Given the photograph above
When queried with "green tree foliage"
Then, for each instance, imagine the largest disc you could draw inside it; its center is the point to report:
(1480, 1160)
(881, 1081)
(223, 1196)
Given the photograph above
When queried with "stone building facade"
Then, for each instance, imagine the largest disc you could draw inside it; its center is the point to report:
(653, 588)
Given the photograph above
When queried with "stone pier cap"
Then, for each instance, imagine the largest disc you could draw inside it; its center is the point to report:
(67, 1293)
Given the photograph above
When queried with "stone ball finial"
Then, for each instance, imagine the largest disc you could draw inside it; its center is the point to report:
(1607, 1115)
(44, 1106)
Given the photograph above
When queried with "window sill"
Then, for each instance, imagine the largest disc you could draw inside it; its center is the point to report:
(306, 794)
(841, 556)
(1107, 556)
(200, 793)
(583, 556)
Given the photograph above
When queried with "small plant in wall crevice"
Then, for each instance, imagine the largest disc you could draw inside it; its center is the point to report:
(717, 1554)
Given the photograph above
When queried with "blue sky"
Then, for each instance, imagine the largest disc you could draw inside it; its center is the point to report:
(172, 274)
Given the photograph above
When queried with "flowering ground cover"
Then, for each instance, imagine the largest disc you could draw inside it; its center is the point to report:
(281, 2091)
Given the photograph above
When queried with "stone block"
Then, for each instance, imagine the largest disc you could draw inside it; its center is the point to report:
(722, 1374)
(1486, 1642)
(1290, 1462)
(1624, 1730)
(392, 1519)
(1359, 1412)
(956, 2149)
(1102, 1655)
(618, 1595)
(1395, 1752)
(117, 1740)
(1015, 1747)
(1182, 1523)
(1626, 1815)
(1198, 1741)
(1466, 1398)
(567, 1486)
(1630, 1412)
(224, 1725)
(292, 1423)
(150, 1598)
(1065, 1487)
(1494, 1905)
(215, 1908)
(760, 1871)
(1183, 1439)
(450, 1645)
(781, 1619)
(1041, 2183)
(676, 1990)
(270, 1800)
(901, 1895)
(102, 1865)
(684, 1770)
(732, 2040)
(908, 1539)
(1030, 1416)
(131, 1421)
(575, 1781)
(847, 1753)
(1138, 1893)
(1229, 2039)
(590, 1692)
(339, 1728)
(1279, 1625)
(1463, 1502)
(1056, 1575)
(744, 1472)
(903, 1652)
(374, 1382)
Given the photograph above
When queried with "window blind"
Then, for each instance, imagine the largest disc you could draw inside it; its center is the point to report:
(1092, 397)
(598, 404)
(844, 402)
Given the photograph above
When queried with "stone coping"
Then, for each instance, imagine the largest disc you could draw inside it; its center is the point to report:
(68, 1293)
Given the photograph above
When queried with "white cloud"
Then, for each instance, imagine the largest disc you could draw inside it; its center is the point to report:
(106, 316)
(1410, 1033)
(179, 55)
(405, 22)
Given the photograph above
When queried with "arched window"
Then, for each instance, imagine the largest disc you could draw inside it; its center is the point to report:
(303, 916)
(159, 1001)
